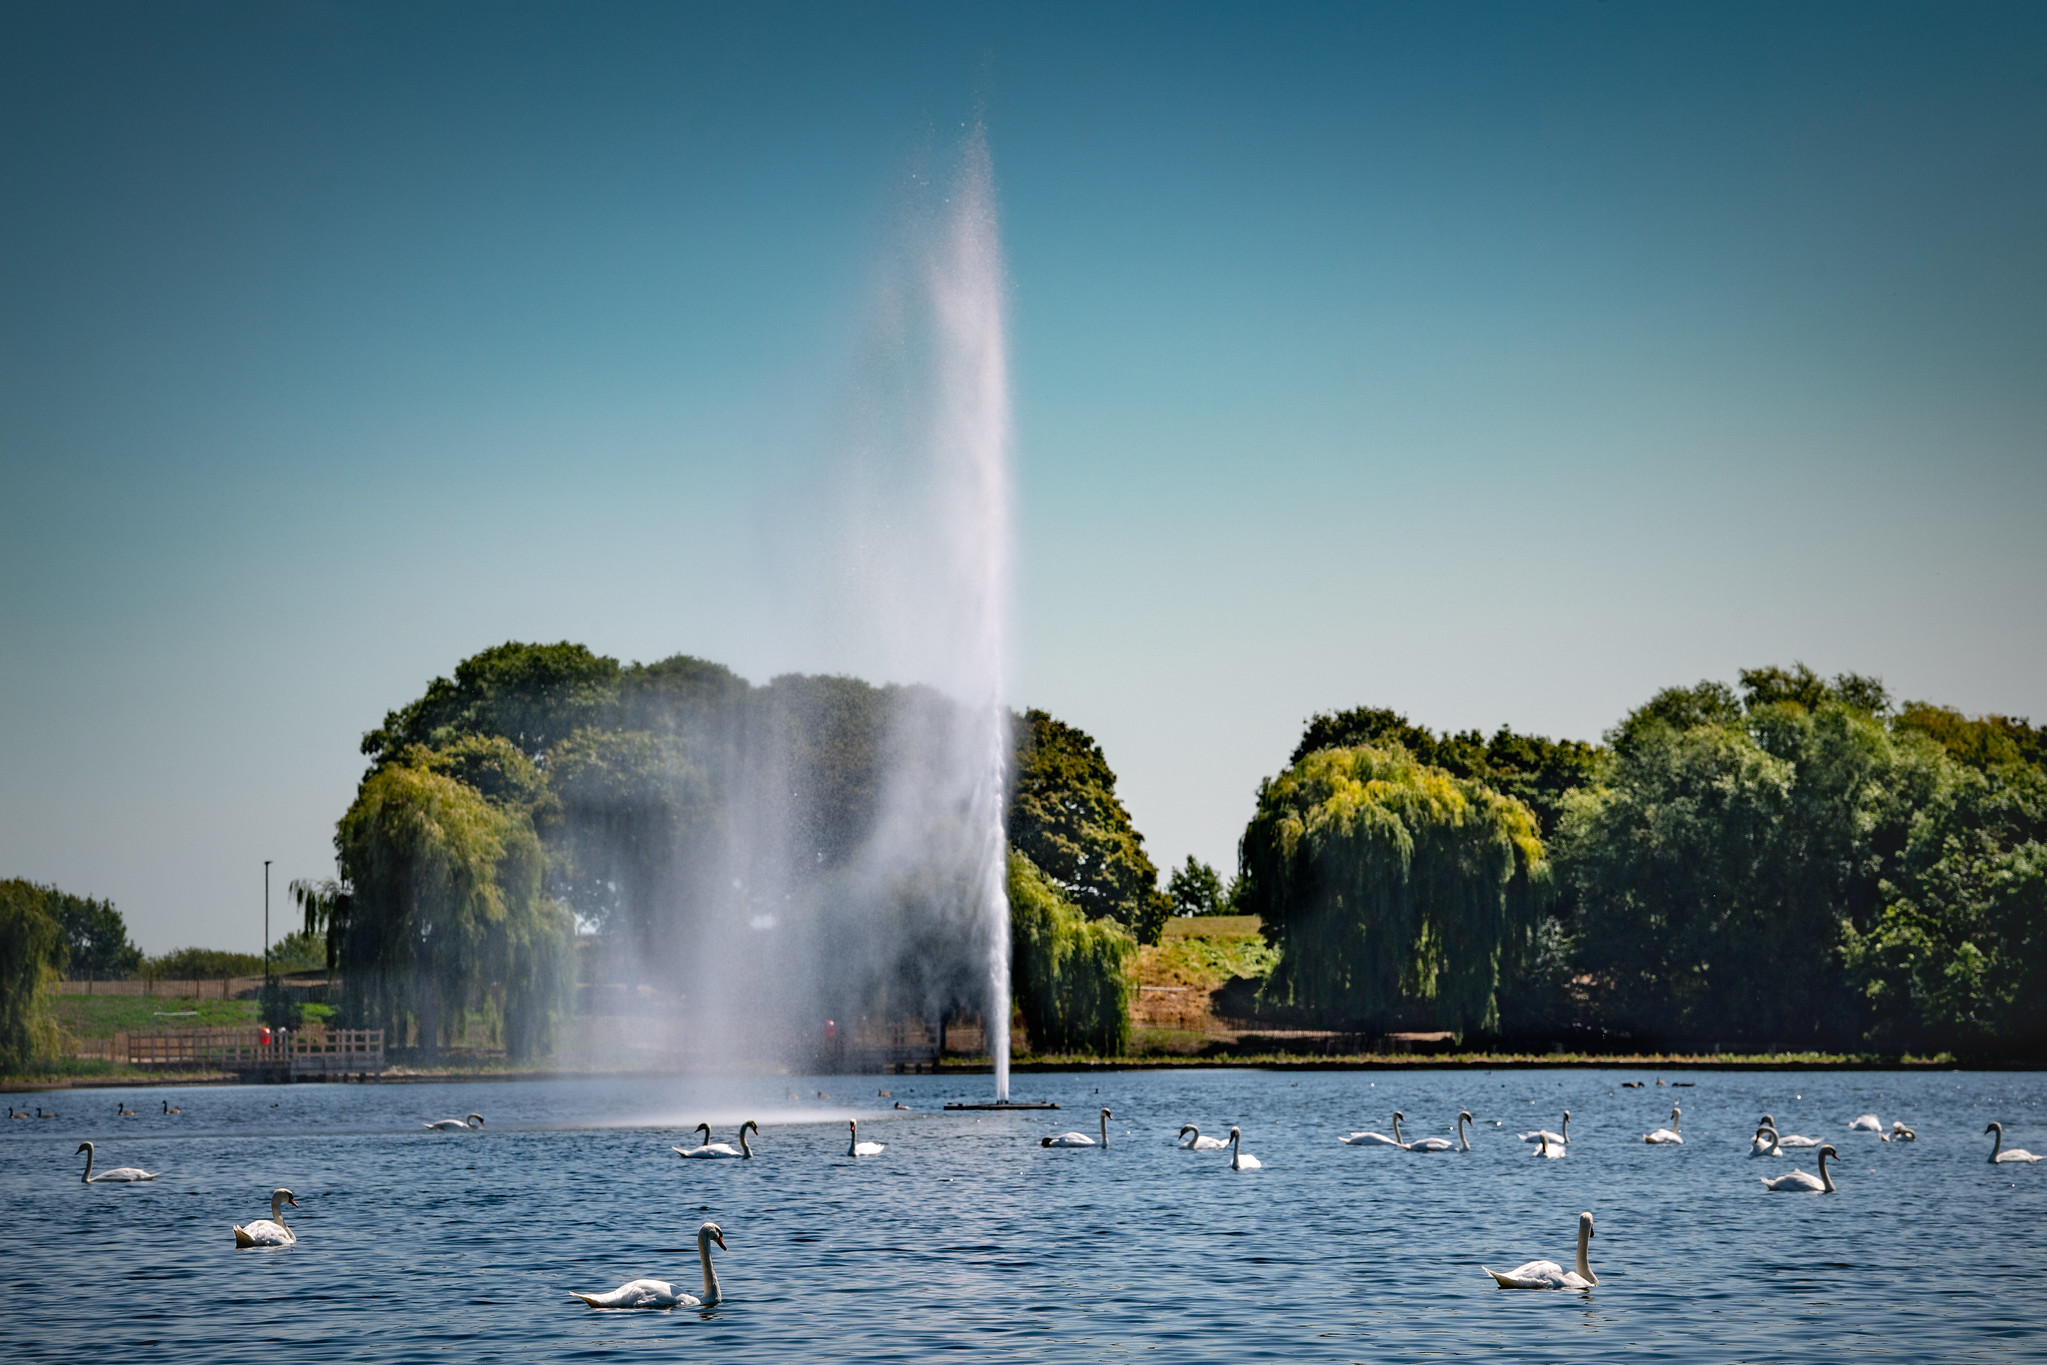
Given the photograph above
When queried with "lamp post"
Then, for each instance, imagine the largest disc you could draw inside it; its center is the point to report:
(266, 929)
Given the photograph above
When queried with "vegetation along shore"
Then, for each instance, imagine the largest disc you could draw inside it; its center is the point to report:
(1788, 870)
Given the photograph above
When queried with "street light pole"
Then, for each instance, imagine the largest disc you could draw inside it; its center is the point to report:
(266, 926)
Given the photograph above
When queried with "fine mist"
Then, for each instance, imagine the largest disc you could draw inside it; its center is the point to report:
(831, 853)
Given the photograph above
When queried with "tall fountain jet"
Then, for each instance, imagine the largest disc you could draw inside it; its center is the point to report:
(972, 442)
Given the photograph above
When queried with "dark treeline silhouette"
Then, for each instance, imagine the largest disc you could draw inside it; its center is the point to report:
(1794, 862)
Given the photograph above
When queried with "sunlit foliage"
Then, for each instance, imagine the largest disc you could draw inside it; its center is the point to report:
(1073, 978)
(1065, 817)
(32, 955)
(1390, 886)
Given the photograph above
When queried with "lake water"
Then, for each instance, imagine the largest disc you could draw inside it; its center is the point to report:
(967, 1236)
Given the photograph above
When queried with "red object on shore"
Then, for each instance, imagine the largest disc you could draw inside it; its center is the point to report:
(264, 1037)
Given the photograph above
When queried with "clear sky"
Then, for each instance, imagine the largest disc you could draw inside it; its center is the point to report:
(1497, 363)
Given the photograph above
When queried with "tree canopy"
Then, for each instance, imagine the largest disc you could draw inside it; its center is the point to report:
(1065, 817)
(32, 954)
(1391, 887)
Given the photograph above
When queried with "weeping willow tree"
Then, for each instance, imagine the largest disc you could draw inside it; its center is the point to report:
(32, 955)
(1391, 888)
(445, 912)
(1073, 978)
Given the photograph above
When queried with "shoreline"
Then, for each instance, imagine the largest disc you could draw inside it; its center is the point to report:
(1028, 1066)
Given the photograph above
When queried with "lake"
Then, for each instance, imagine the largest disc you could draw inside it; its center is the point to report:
(965, 1235)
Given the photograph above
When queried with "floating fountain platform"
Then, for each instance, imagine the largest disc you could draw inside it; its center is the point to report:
(1006, 1104)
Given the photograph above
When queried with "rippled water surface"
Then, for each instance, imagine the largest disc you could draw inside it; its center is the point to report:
(966, 1235)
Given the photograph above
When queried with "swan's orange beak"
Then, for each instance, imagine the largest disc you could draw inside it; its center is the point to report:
(289, 1200)
(719, 1238)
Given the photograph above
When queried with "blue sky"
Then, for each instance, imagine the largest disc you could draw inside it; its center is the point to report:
(1500, 364)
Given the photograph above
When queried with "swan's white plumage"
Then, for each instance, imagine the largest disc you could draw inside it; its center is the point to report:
(709, 1150)
(1079, 1139)
(119, 1175)
(1999, 1155)
(1562, 1139)
(1548, 1274)
(1799, 1182)
(271, 1231)
(855, 1147)
(1663, 1136)
(1378, 1139)
(1194, 1142)
(456, 1125)
(660, 1293)
(1239, 1160)
(1548, 1150)
(1866, 1123)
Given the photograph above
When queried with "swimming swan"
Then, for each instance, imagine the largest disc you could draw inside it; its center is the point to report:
(1666, 1135)
(1798, 1182)
(855, 1147)
(1545, 1148)
(456, 1125)
(1378, 1139)
(1548, 1274)
(1765, 1143)
(660, 1293)
(1444, 1144)
(1998, 1155)
(271, 1231)
(1197, 1143)
(1239, 1161)
(1791, 1139)
(1900, 1133)
(121, 1174)
(1079, 1139)
(720, 1149)
(1867, 1123)
(1562, 1139)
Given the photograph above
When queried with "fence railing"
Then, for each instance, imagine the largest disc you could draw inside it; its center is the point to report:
(298, 1052)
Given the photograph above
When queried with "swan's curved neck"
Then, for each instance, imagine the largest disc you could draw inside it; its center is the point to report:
(1105, 1128)
(1826, 1176)
(1396, 1128)
(744, 1150)
(277, 1210)
(711, 1294)
(1995, 1147)
(1565, 1134)
(1463, 1141)
(1585, 1266)
(87, 1177)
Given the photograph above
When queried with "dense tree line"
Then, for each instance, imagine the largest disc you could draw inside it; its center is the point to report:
(672, 807)
(1795, 861)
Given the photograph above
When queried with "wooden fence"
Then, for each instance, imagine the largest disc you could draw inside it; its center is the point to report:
(290, 1054)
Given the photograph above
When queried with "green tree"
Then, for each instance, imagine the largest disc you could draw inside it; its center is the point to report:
(530, 695)
(448, 913)
(1195, 889)
(1982, 742)
(1958, 956)
(1074, 979)
(1534, 770)
(32, 955)
(1065, 817)
(1717, 874)
(1391, 887)
(95, 934)
(633, 813)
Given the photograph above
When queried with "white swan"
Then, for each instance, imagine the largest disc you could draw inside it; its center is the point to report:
(710, 1149)
(456, 1125)
(1239, 1161)
(1444, 1144)
(1998, 1155)
(1791, 1139)
(660, 1293)
(1545, 1148)
(1900, 1133)
(855, 1147)
(1666, 1135)
(121, 1174)
(1798, 1182)
(1562, 1139)
(1867, 1123)
(1548, 1274)
(271, 1231)
(1196, 1143)
(1079, 1139)
(1765, 1143)
(1378, 1139)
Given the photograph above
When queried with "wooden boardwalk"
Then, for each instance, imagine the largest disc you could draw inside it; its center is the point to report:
(254, 1053)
